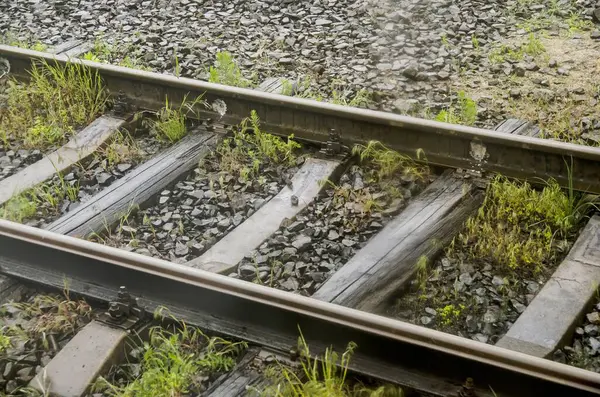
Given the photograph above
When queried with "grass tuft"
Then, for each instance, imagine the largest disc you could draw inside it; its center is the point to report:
(532, 46)
(227, 72)
(552, 16)
(107, 53)
(362, 98)
(51, 314)
(171, 123)
(44, 111)
(389, 162)
(326, 376)
(121, 148)
(463, 112)
(175, 361)
(5, 339)
(20, 207)
(29, 44)
(251, 147)
(45, 198)
(518, 227)
(339, 94)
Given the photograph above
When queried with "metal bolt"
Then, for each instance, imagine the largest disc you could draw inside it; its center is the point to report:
(114, 310)
(334, 145)
(123, 294)
(294, 354)
(467, 389)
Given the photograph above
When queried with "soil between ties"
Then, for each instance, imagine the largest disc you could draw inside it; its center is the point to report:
(498, 262)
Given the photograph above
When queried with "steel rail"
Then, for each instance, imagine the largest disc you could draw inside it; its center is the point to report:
(444, 144)
(388, 349)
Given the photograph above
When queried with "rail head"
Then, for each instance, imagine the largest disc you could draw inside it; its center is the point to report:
(444, 144)
(21, 58)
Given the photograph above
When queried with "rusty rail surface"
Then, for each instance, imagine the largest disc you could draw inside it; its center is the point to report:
(390, 350)
(443, 144)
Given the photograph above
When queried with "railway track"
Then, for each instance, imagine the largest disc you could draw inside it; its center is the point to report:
(376, 262)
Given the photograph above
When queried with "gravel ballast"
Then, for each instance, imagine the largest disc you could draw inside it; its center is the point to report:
(411, 57)
(584, 350)
(12, 161)
(470, 299)
(307, 250)
(191, 216)
(87, 178)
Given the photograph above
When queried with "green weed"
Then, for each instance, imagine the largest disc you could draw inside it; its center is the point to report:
(44, 198)
(121, 148)
(449, 314)
(53, 314)
(362, 98)
(340, 95)
(174, 362)
(177, 70)
(577, 24)
(532, 47)
(553, 16)
(388, 162)
(133, 63)
(90, 56)
(44, 111)
(274, 266)
(107, 53)
(227, 72)
(170, 125)
(287, 87)
(20, 207)
(321, 377)
(464, 111)
(55, 192)
(101, 50)
(422, 272)
(518, 227)
(444, 40)
(41, 134)
(251, 147)
(5, 339)
(358, 201)
(29, 44)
